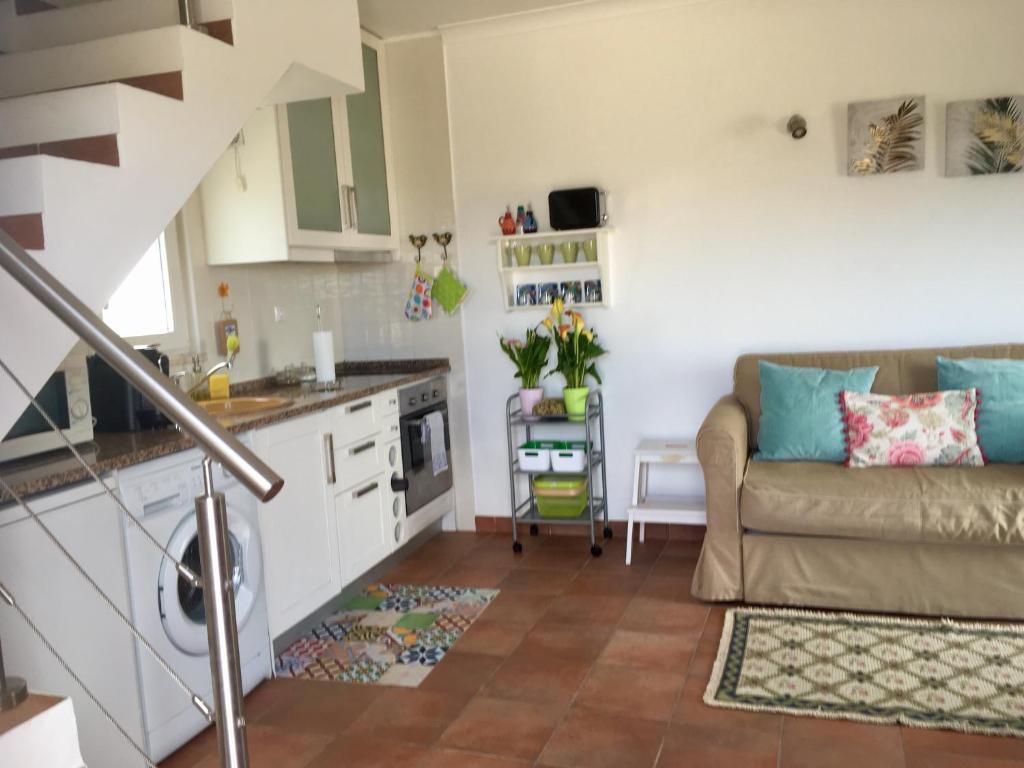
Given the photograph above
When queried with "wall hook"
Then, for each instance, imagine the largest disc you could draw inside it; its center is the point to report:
(418, 242)
(443, 239)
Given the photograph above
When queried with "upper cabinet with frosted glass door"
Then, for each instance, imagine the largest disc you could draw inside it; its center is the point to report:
(339, 191)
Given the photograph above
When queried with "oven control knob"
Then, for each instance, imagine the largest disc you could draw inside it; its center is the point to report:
(79, 409)
(399, 484)
(412, 401)
(424, 397)
(435, 394)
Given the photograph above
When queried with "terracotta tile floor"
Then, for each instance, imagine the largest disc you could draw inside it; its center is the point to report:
(579, 662)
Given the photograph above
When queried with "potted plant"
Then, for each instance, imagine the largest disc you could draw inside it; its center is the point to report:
(530, 358)
(576, 348)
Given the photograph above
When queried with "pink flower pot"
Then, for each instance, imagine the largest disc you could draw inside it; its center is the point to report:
(528, 399)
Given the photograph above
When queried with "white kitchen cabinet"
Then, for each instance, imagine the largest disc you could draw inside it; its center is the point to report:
(298, 527)
(364, 537)
(72, 616)
(308, 181)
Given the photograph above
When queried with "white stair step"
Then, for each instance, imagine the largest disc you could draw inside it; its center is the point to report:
(45, 737)
(60, 115)
(94, 21)
(112, 59)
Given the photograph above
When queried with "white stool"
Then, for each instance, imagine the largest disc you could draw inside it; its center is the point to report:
(661, 509)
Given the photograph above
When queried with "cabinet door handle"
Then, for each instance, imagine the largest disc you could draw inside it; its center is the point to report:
(362, 448)
(355, 207)
(332, 474)
(359, 406)
(346, 209)
(363, 491)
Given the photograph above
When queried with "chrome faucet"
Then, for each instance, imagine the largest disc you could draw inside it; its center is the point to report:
(224, 364)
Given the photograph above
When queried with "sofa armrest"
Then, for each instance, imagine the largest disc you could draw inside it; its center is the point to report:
(723, 454)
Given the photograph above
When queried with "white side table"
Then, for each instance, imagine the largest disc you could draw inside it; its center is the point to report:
(661, 509)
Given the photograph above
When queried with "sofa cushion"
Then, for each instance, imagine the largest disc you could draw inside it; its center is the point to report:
(800, 415)
(1001, 421)
(928, 504)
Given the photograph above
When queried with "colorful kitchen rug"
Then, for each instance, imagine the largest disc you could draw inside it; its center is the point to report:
(391, 634)
(927, 673)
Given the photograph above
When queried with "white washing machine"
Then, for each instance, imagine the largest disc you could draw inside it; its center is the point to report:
(168, 611)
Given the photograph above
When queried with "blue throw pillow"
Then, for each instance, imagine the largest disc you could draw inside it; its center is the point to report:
(1001, 411)
(800, 415)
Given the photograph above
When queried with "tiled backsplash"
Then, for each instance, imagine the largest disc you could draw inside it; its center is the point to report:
(363, 304)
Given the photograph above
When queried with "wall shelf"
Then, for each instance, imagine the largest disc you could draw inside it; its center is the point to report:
(591, 276)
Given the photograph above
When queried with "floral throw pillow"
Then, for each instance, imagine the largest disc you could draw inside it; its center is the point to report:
(936, 429)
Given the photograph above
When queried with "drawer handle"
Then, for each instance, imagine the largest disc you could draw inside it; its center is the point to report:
(359, 406)
(332, 472)
(363, 491)
(362, 448)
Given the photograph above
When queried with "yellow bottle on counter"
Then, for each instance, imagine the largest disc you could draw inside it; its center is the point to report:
(220, 387)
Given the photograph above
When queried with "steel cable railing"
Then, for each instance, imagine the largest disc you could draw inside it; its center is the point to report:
(196, 699)
(211, 510)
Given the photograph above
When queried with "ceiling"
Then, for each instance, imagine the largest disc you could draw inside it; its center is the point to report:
(397, 18)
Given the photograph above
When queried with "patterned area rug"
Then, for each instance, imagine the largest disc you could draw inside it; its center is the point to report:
(392, 634)
(923, 673)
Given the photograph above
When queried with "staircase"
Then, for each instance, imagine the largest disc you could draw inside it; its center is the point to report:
(111, 113)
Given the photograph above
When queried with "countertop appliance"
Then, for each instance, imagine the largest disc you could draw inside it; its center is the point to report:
(168, 611)
(116, 404)
(420, 483)
(65, 398)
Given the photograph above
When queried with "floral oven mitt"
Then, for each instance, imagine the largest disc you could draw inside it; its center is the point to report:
(419, 305)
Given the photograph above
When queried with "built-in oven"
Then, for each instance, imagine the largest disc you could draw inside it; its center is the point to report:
(423, 481)
(65, 399)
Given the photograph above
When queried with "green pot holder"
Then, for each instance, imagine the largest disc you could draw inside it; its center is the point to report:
(448, 291)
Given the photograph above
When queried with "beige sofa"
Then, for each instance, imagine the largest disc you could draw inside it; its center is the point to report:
(934, 541)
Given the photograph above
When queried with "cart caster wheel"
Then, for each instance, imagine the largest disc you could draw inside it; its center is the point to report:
(517, 547)
(534, 530)
(607, 532)
(595, 550)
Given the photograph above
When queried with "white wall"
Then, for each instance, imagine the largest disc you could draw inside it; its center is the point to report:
(729, 235)
(363, 304)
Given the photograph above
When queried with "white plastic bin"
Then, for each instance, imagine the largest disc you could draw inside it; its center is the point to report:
(569, 457)
(535, 456)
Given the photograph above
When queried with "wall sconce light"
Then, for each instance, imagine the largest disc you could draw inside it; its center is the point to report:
(797, 127)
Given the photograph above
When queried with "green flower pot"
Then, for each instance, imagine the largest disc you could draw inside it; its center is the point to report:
(576, 402)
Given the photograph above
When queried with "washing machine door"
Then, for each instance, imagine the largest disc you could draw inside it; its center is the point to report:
(182, 610)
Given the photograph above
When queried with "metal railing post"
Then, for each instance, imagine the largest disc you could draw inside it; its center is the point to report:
(221, 625)
(186, 13)
(13, 690)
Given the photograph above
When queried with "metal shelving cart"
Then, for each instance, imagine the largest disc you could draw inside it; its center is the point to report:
(596, 511)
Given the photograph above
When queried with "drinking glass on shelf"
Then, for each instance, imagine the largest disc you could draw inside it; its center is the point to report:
(590, 249)
(570, 251)
(523, 254)
(546, 253)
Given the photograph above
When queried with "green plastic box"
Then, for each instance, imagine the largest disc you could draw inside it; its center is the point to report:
(560, 496)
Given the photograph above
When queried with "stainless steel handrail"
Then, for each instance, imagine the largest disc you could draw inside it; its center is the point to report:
(218, 443)
(211, 511)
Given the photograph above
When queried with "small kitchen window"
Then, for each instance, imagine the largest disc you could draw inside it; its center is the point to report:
(148, 307)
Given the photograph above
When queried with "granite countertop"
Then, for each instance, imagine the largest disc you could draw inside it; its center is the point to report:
(115, 450)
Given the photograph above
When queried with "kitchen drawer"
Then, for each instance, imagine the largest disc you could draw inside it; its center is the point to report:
(353, 421)
(387, 402)
(359, 460)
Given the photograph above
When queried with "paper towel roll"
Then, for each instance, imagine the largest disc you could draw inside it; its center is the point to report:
(323, 356)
